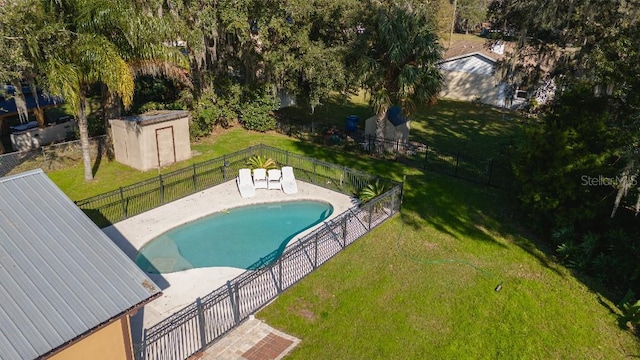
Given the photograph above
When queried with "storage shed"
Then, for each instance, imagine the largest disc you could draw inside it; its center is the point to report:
(153, 140)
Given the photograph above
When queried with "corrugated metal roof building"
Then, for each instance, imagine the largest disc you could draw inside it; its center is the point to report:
(60, 275)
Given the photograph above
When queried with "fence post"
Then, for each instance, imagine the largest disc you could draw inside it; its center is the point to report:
(344, 175)
(124, 207)
(426, 153)
(344, 232)
(195, 179)
(224, 167)
(286, 154)
(201, 325)
(315, 254)
(393, 202)
(234, 302)
(370, 215)
(44, 159)
(457, 163)
(490, 171)
(280, 288)
(161, 189)
(315, 175)
(142, 352)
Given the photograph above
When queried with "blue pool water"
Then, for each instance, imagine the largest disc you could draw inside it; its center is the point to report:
(237, 238)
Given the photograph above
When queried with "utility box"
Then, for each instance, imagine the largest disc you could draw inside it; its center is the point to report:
(153, 140)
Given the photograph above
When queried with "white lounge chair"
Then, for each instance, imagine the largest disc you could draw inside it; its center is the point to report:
(260, 178)
(273, 181)
(245, 183)
(288, 182)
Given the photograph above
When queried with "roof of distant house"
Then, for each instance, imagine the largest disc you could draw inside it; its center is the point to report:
(464, 47)
(60, 275)
(477, 54)
(8, 105)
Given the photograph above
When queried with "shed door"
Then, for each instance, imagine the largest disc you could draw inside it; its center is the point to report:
(166, 146)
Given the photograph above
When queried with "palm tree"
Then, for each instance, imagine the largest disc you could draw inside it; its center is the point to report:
(108, 42)
(396, 59)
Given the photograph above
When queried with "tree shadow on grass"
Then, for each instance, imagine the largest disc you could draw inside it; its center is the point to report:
(465, 210)
(98, 160)
(465, 127)
(449, 205)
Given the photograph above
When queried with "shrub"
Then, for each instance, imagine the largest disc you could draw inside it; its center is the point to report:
(257, 113)
(261, 162)
(630, 314)
(372, 191)
(211, 110)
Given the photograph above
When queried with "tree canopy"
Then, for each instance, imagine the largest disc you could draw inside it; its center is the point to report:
(578, 168)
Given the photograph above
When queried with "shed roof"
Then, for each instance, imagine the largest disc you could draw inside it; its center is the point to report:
(156, 117)
(60, 275)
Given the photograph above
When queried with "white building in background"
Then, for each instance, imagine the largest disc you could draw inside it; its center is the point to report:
(472, 77)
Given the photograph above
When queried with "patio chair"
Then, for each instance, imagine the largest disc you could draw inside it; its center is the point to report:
(274, 176)
(260, 178)
(288, 182)
(245, 183)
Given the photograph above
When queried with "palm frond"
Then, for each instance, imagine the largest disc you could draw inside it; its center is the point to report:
(164, 68)
(63, 79)
(100, 61)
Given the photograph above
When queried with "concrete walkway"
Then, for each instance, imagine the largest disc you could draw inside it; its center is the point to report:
(252, 340)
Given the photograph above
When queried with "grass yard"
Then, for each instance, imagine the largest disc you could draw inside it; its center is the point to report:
(110, 174)
(451, 126)
(421, 286)
(474, 129)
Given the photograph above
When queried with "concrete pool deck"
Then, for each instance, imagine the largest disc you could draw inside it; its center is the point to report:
(183, 287)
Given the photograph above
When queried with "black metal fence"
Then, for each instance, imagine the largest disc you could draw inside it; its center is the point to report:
(487, 171)
(198, 325)
(201, 323)
(475, 168)
(117, 205)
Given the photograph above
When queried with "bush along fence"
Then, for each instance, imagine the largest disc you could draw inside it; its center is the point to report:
(201, 323)
(487, 171)
(122, 203)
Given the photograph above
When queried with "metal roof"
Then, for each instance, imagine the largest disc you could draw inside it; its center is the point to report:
(60, 275)
(8, 105)
(477, 54)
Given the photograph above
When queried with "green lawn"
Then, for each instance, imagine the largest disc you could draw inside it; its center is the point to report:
(421, 286)
(478, 130)
(451, 126)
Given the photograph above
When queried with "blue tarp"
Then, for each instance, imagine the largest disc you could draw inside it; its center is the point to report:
(394, 114)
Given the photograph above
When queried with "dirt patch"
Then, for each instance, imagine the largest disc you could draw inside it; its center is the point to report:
(302, 308)
(306, 314)
(430, 245)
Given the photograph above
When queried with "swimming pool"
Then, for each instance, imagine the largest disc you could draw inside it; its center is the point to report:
(237, 238)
